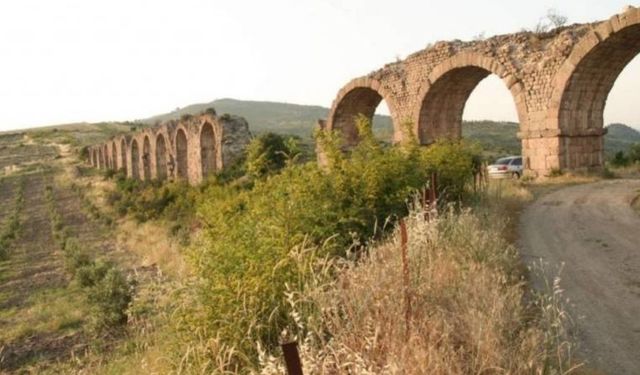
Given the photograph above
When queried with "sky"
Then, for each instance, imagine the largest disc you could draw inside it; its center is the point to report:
(69, 61)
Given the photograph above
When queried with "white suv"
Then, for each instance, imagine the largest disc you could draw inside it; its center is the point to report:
(509, 167)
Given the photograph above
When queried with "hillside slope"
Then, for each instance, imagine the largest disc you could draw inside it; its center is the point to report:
(275, 117)
(619, 138)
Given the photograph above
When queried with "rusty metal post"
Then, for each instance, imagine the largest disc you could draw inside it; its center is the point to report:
(404, 239)
(292, 358)
(426, 193)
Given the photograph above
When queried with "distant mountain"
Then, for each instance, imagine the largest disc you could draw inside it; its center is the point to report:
(619, 138)
(499, 138)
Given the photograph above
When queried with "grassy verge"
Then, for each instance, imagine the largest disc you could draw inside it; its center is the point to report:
(462, 309)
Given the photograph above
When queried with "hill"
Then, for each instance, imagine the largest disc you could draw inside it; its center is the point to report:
(264, 117)
(619, 138)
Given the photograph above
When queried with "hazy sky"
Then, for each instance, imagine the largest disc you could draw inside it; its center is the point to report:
(84, 60)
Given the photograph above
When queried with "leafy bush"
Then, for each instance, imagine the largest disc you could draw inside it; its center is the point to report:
(269, 153)
(453, 163)
(75, 256)
(150, 200)
(110, 293)
(620, 159)
(634, 153)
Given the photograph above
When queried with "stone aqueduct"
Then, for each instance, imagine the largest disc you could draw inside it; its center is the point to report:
(559, 81)
(189, 149)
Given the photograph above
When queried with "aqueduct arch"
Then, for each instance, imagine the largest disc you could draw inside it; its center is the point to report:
(583, 84)
(444, 94)
(359, 97)
(100, 158)
(146, 158)
(207, 150)
(123, 155)
(94, 157)
(114, 156)
(182, 154)
(161, 157)
(105, 153)
(559, 81)
(135, 159)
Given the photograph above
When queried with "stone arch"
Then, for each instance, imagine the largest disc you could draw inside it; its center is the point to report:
(444, 94)
(182, 153)
(135, 159)
(114, 155)
(207, 150)
(161, 157)
(100, 158)
(360, 96)
(123, 155)
(146, 158)
(105, 151)
(94, 157)
(582, 85)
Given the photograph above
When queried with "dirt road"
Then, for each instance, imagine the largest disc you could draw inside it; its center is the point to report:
(593, 230)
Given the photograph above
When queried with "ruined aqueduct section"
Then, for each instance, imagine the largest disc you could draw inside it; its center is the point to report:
(559, 81)
(188, 149)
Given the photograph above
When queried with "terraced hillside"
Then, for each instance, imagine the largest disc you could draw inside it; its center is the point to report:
(47, 317)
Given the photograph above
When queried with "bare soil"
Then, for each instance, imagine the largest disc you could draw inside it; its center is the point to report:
(592, 234)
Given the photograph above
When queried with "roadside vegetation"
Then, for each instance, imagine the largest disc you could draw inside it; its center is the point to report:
(278, 249)
(281, 250)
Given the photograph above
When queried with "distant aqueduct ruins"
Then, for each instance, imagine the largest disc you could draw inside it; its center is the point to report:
(559, 81)
(188, 149)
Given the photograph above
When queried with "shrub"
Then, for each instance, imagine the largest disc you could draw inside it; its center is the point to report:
(269, 153)
(620, 159)
(453, 163)
(75, 256)
(634, 153)
(110, 295)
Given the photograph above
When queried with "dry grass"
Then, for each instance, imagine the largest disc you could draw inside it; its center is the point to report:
(631, 171)
(467, 310)
(153, 245)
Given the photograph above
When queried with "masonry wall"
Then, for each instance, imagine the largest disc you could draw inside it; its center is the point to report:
(559, 82)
